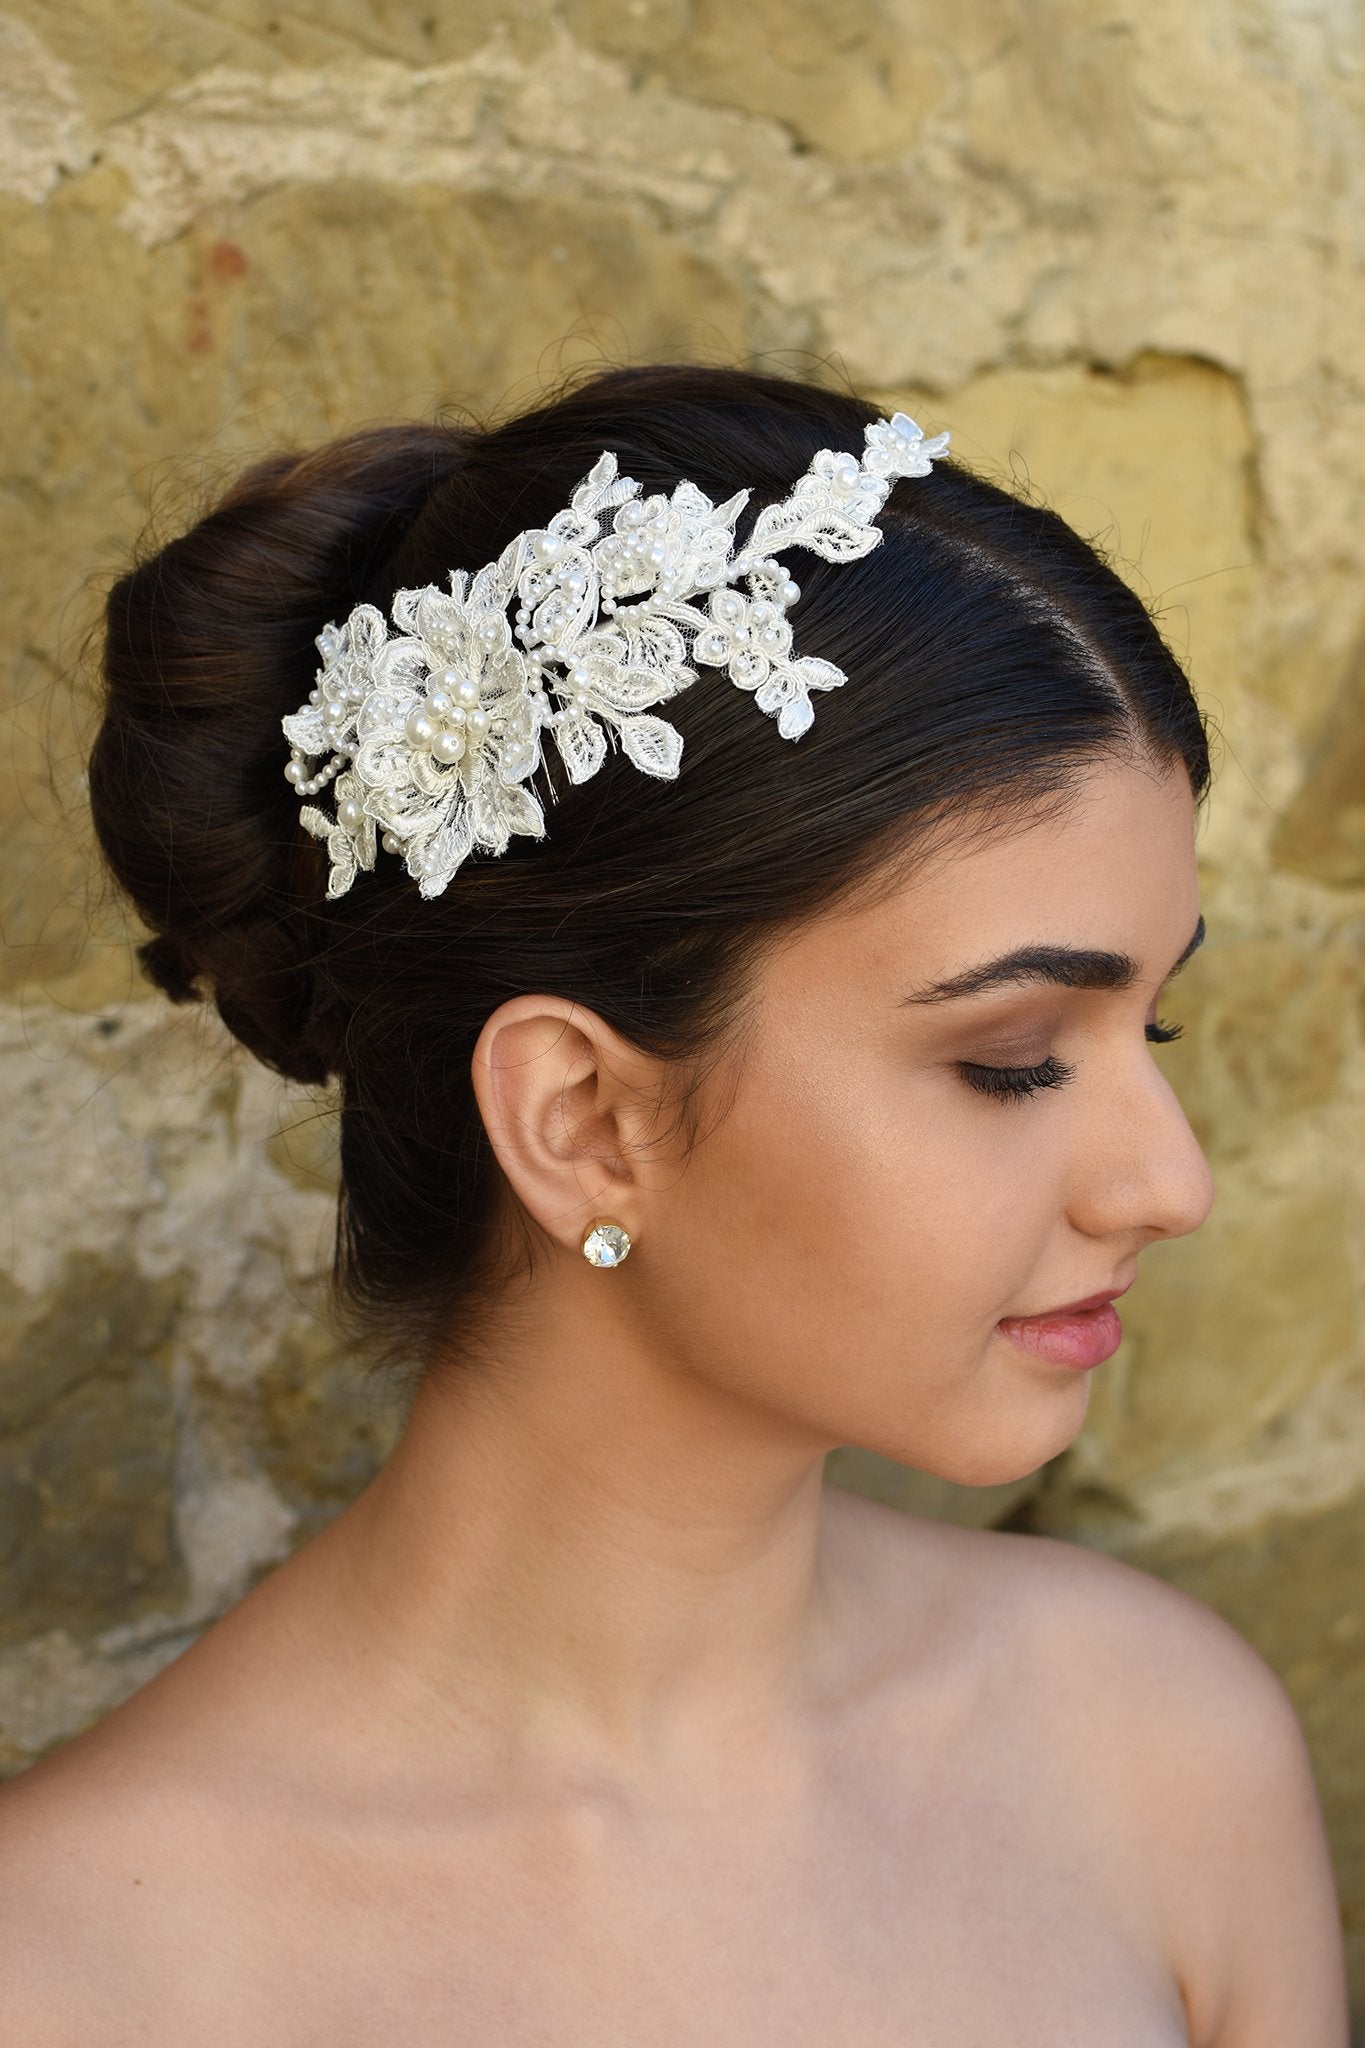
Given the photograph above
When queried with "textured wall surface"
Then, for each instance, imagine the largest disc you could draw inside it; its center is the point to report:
(1115, 247)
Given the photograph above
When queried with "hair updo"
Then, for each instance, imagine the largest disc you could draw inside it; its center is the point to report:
(992, 658)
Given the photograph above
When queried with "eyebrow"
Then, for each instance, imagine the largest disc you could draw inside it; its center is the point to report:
(1068, 966)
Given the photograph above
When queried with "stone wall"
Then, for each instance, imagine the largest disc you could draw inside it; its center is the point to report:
(1114, 247)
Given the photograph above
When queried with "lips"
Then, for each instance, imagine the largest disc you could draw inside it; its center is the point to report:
(1073, 1308)
(1080, 1335)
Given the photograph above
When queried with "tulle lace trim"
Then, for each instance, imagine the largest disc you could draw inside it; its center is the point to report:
(428, 730)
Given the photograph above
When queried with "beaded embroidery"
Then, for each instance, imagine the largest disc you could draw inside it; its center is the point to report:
(429, 734)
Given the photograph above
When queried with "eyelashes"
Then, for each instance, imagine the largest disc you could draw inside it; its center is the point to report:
(1013, 1084)
(1016, 1084)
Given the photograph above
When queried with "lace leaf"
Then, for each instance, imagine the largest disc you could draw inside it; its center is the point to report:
(814, 674)
(652, 744)
(307, 731)
(582, 747)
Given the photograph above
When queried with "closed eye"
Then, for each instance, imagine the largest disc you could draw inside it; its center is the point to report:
(1016, 1084)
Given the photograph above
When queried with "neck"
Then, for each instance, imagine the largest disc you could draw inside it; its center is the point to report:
(595, 1559)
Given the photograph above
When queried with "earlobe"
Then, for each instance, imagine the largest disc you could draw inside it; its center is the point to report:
(554, 1092)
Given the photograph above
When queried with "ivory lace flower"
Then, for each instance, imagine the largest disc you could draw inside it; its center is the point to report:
(431, 729)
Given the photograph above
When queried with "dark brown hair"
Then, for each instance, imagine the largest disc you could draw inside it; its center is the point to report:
(992, 657)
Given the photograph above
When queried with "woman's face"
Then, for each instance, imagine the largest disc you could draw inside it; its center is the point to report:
(848, 1234)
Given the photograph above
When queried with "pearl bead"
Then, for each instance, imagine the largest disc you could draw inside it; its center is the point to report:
(294, 772)
(420, 729)
(458, 715)
(468, 691)
(546, 548)
(439, 702)
(790, 592)
(391, 843)
(448, 747)
(477, 723)
(350, 815)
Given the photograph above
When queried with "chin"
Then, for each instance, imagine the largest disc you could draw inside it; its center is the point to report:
(1019, 1460)
(1002, 1471)
(981, 1464)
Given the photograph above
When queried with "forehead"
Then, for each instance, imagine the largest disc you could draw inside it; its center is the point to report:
(1112, 866)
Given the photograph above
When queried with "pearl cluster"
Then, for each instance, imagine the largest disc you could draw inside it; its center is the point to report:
(341, 697)
(569, 580)
(769, 573)
(634, 554)
(754, 623)
(555, 575)
(449, 719)
(296, 771)
(845, 475)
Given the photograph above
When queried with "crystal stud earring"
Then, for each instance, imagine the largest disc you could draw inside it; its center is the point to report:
(605, 1243)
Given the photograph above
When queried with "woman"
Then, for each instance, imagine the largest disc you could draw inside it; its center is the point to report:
(793, 1092)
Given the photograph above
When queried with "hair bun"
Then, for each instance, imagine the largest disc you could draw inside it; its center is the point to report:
(209, 643)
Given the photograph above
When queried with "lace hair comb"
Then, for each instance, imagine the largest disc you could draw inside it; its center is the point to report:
(428, 725)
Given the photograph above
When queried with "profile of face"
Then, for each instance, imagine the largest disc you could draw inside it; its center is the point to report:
(869, 1195)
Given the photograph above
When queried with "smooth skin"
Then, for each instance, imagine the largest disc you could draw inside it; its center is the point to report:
(597, 1721)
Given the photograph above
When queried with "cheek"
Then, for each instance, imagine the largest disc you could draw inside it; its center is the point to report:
(852, 1204)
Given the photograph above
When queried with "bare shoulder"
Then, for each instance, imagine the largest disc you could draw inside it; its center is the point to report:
(94, 1903)
(58, 1896)
(131, 1856)
(1208, 1760)
(1199, 1756)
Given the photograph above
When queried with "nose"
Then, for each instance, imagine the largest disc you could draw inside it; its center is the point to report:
(1145, 1173)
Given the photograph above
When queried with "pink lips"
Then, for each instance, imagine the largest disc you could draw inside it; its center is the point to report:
(1081, 1335)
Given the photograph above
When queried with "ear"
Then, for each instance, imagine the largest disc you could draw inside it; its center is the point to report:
(569, 1107)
